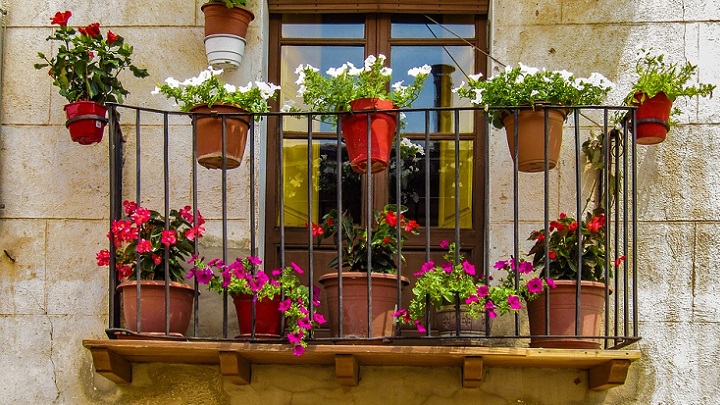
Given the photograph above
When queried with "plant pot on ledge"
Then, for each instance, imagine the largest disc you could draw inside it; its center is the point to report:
(653, 118)
(152, 296)
(355, 299)
(86, 121)
(225, 32)
(531, 137)
(209, 135)
(267, 316)
(382, 131)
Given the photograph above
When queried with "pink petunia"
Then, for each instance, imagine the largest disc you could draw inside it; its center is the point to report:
(297, 268)
(534, 285)
(483, 291)
(285, 305)
(469, 268)
(550, 282)
(514, 302)
(319, 318)
(298, 350)
(169, 237)
(420, 327)
(444, 244)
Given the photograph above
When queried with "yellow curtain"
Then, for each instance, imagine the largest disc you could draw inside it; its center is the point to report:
(295, 176)
(446, 200)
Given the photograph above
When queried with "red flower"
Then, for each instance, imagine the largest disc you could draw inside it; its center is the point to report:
(540, 237)
(562, 215)
(411, 225)
(596, 223)
(61, 19)
(111, 38)
(316, 229)
(619, 260)
(169, 237)
(556, 225)
(552, 255)
(157, 259)
(386, 240)
(103, 257)
(91, 30)
(130, 207)
(391, 219)
(573, 226)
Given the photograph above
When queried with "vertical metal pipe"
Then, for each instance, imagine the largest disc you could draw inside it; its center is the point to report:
(634, 221)
(428, 196)
(340, 222)
(458, 245)
(281, 192)
(138, 199)
(398, 235)
(196, 244)
(369, 222)
(578, 202)
(311, 264)
(115, 181)
(546, 194)
(486, 211)
(166, 185)
(223, 176)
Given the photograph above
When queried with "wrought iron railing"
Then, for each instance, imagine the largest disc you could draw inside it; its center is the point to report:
(154, 164)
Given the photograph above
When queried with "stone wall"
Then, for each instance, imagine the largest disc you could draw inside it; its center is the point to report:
(54, 210)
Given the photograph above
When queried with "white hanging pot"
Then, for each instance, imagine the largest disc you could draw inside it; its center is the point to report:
(224, 51)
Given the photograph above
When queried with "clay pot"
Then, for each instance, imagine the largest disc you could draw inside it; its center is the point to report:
(267, 316)
(225, 32)
(653, 118)
(446, 322)
(209, 135)
(152, 306)
(382, 132)
(531, 137)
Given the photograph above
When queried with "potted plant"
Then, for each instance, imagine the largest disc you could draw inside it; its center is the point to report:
(658, 85)
(454, 285)
(383, 244)
(206, 96)
(86, 70)
(536, 91)
(569, 242)
(226, 24)
(144, 240)
(352, 89)
(247, 283)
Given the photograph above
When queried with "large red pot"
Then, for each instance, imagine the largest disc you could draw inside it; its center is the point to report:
(653, 118)
(562, 315)
(152, 296)
(86, 121)
(267, 316)
(209, 135)
(355, 304)
(382, 131)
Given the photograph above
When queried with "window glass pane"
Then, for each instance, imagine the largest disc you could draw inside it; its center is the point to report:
(450, 66)
(323, 26)
(324, 166)
(322, 57)
(421, 27)
(413, 170)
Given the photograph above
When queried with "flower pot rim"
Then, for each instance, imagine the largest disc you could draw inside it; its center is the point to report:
(361, 275)
(213, 4)
(176, 284)
(537, 107)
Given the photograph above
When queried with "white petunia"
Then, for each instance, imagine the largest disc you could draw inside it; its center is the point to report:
(267, 89)
(478, 96)
(229, 88)
(369, 61)
(397, 86)
(353, 71)
(174, 84)
(475, 77)
(565, 74)
(386, 71)
(333, 72)
(527, 70)
(245, 89)
(156, 91)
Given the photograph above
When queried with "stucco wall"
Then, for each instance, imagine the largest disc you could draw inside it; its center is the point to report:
(55, 203)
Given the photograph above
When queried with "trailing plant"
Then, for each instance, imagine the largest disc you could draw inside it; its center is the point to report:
(87, 66)
(246, 277)
(229, 3)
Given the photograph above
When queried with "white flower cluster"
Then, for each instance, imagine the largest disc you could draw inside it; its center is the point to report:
(411, 148)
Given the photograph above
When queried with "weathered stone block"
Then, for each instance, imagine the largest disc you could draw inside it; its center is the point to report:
(22, 260)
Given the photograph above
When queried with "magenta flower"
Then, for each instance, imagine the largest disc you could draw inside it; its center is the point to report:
(304, 323)
(296, 268)
(483, 291)
(204, 276)
(447, 267)
(526, 267)
(143, 246)
(319, 318)
(276, 273)
(420, 327)
(227, 278)
(285, 305)
(444, 244)
(550, 282)
(469, 268)
(490, 308)
(471, 299)
(427, 267)
(254, 260)
(534, 286)
(499, 265)
(169, 237)
(514, 302)
(295, 338)
(298, 350)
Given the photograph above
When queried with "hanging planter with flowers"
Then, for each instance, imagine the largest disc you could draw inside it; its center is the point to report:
(226, 25)
(215, 103)
(534, 93)
(86, 70)
(357, 90)
(141, 239)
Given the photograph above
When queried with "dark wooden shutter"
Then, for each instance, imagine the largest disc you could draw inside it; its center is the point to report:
(380, 6)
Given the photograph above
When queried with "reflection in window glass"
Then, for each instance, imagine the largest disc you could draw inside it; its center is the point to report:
(450, 67)
(421, 27)
(414, 194)
(323, 26)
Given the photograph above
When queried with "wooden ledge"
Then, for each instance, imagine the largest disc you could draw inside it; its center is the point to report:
(113, 358)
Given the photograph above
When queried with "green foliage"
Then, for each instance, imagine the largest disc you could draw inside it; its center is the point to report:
(384, 243)
(567, 236)
(208, 89)
(528, 86)
(655, 75)
(334, 93)
(87, 65)
(230, 3)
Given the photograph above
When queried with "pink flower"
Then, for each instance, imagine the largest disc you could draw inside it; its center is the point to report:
(534, 285)
(514, 302)
(143, 246)
(483, 291)
(420, 327)
(295, 338)
(444, 244)
(550, 282)
(526, 267)
(285, 305)
(427, 267)
(204, 276)
(130, 207)
(103, 257)
(469, 268)
(304, 323)
(447, 267)
(490, 308)
(499, 265)
(254, 260)
(298, 350)
(297, 268)
(169, 237)
(319, 318)
(140, 216)
(471, 299)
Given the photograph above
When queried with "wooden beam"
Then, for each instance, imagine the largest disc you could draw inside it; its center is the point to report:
(347, 370)
(112, 366)
(608, 375)
(235, 368)
(472, 372)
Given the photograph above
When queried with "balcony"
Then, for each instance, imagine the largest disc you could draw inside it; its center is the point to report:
(153, 160)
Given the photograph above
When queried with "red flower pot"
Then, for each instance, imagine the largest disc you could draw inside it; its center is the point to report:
(267, 316)
(382, 131)
(86, 121)
(653, 116)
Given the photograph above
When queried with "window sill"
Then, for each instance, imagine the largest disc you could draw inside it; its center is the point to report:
(113, 359)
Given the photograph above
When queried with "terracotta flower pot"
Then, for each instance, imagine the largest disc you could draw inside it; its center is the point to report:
(209, 135)
(446, 322)
(152, 295)
(382, 131)
(86, 121)
(562, 315)
(355, 308)
(267, 316)
(531, 137)
(225, 32)
(653, 118)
